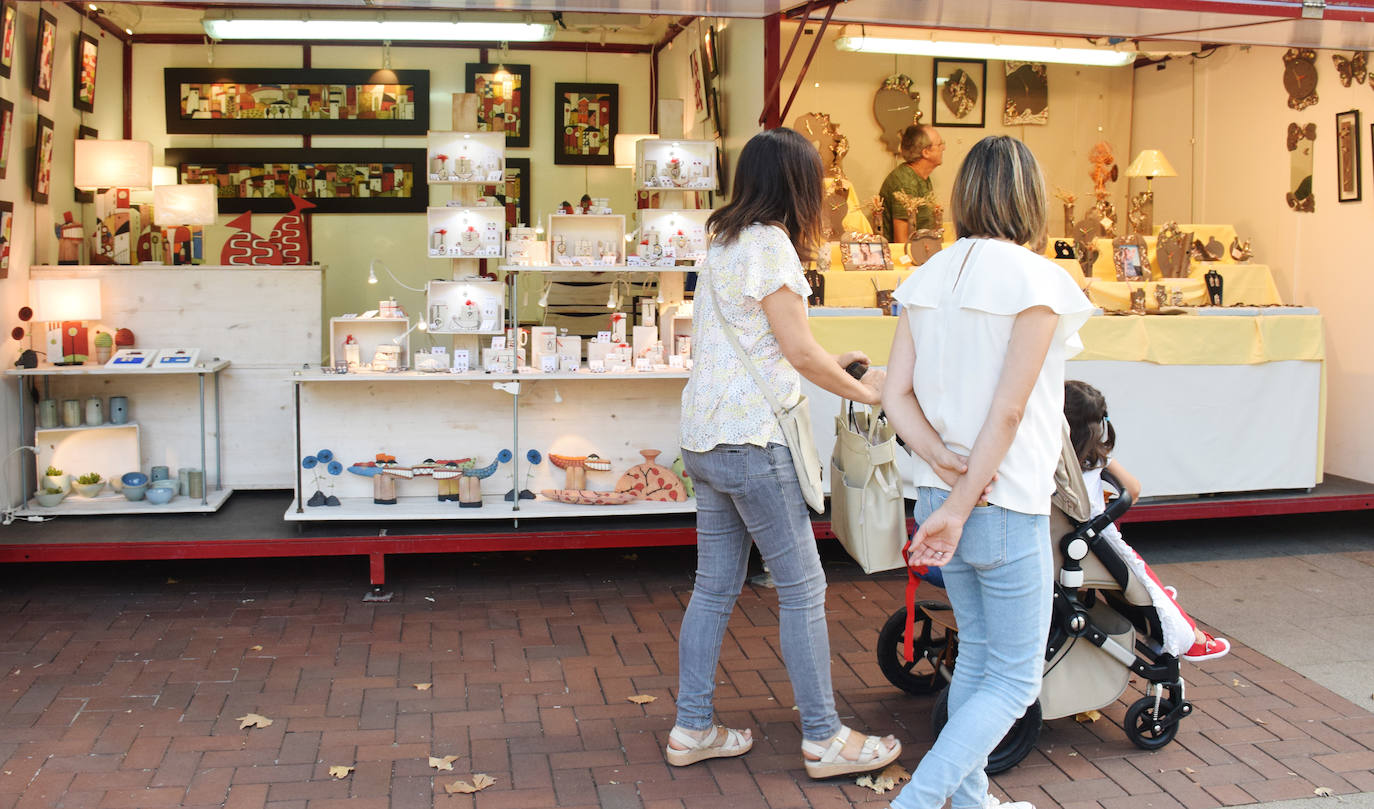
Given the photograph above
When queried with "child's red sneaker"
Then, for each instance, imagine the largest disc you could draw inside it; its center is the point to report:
(1209, 649)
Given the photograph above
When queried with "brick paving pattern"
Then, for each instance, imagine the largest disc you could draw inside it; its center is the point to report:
(123, 684)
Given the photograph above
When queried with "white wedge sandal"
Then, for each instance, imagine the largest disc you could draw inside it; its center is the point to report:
(877, 752)
(719, 742)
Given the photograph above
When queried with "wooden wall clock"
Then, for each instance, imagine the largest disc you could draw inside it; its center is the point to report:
(1300, 77)
(896, 106)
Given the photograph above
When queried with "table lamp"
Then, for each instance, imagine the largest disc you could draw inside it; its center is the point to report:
(64, 303)
(113, 167)
(179, 208)
(1150, 163)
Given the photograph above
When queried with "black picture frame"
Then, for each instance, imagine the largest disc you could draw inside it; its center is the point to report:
(1349, 170)
(480, 81)
(220, 161)
(179, 80)
(518, 169)
(43, 148)
(711, 52)
(6, 135)
(9, 31)
(86, 133)
(585, 137)
(970, 76)
(44, 54)
(83, 74)
(6, 237)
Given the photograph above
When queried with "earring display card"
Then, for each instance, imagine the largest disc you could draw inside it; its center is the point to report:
(169, 358)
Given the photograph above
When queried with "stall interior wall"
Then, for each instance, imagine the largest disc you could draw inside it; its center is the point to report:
(1086, 105)
(346, 243)
(1226, 118)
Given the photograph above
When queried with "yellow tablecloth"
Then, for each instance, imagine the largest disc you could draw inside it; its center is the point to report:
(1115, 296)
(1251, 284)
(857, 288)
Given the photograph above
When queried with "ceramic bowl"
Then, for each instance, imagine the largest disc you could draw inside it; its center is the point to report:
(49, 500)
(160, 495)
(134, 479)
(88, 489)
(135, 492)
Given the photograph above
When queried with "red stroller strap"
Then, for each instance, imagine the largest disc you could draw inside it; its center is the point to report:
(908, 636)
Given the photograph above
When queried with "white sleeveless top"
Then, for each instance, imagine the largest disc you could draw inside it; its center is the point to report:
(961, 327)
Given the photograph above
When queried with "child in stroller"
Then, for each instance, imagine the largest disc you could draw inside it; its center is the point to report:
(1104, 628)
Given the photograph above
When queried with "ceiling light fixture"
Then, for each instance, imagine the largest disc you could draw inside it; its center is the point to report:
(396, 27)
(1098, 57)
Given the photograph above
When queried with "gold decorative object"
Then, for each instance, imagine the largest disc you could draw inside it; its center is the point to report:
(1300, 141)
(896, 105)
(1240, 250)
(1171, 251)
(865, 251)
(922, 243)
(1138, 300)
(1087, 255)
(1067, 199)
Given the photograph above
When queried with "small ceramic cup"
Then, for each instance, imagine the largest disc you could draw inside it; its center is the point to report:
(160, 473)
(119, 409)
(95, 411)
(71, 412)
(47, 414)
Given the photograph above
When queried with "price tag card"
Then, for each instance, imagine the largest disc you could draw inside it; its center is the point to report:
(596, 366)
(675, 361)
(460, 361)
(603, 337)
(643, 364)
(498, 343)
(548, 363)
(494, 176)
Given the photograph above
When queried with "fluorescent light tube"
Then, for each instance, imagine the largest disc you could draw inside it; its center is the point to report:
(380, 30)
(1099, 57)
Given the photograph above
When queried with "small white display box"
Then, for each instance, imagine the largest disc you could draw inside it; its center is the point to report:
(586, 240)
(683, 165)
(667, 235)
(466, 158)
(467, 306)
(456, 232)
(367, 334)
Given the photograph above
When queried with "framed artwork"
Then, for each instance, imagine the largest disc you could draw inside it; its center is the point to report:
(504, 100)
(1348, 179)
(6, 235)
(515, 193)
(866, 252)
(701, 86)
(710, 53)
(9, 25)
(585, 123)
(42, 164)
(44, 50)
(86, 133)
(1028, 94)
(6, 134)
(353, 180)
(1131, 258)
(960, 92)
(305, 101)
(1301, 140)
(83, 73)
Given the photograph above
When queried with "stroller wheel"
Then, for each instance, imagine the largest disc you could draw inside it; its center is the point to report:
(1014, 747)
(1143, 727)
(932, 648)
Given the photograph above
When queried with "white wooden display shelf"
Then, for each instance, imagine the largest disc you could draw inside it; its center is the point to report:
(478, 376)
(615, 268)
(494, 507)
(113, 503)
(81, 428)
(204, 367)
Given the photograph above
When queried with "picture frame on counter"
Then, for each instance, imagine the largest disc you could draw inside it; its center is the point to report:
(503, 105)
(45, 52)
(869, 252)
(299, 101)
(9, 29)
(42, 163)
(353, 180)
(83, 72)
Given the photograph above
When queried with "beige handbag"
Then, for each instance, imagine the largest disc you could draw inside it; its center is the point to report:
(867, 511)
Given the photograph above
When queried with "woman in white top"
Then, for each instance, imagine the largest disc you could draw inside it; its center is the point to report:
(746, 487)
(975, 387)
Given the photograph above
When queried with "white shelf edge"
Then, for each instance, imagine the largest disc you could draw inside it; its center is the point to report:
(208, 367)
(615, 268)
(111, 503)
(440, 376)
(493, 508)
(107, 426)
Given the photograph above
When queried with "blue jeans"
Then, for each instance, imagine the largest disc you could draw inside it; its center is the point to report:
(743, 492)
(1000, 585)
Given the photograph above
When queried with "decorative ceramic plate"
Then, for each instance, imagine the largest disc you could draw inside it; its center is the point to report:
(587, 497)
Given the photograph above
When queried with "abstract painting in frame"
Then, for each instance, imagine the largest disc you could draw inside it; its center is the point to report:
(6, 236)
(302, 101)
(83, 75)
(503, 100)
(586, 120)
(335, 180)
(86, 133)
(515, 193)
(44, 50)
(6, 134)
(1348, 170)
(42, 163)
(9, 29)
(960, 97)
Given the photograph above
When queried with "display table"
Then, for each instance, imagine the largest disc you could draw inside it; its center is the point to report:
(1201, 404)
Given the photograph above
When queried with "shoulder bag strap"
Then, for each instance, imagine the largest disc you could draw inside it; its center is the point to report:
(749, 365)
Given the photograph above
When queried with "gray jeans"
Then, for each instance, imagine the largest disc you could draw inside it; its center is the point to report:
(743, 492)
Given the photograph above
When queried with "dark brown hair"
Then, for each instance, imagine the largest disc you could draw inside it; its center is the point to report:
(915, 140)
(777, 182)
(1091, 432)
(999, 193)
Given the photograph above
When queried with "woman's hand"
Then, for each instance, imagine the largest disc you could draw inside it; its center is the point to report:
(947, 464)
(873, 381)
(852, 356)
(937, 538)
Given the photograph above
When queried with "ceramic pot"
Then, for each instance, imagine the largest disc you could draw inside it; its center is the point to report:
(160, 473)
(195, 483)
(88, 489)
(71, 412)
(63, 482)
(47, 414)
(135, 492)
(95, 411)
(119, 409)
(48, 500)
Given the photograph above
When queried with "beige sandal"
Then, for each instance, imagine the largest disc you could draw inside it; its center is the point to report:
(719, 742)
(830, 761)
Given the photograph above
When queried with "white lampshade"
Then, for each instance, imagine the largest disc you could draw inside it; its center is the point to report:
(65, 298)
(625, 149)
(184, 204)
(1151, 163)
(113, 164)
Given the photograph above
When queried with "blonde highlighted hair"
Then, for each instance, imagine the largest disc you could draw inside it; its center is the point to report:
(999, 193)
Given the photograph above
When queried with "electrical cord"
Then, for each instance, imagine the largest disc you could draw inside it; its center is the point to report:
(7, 515)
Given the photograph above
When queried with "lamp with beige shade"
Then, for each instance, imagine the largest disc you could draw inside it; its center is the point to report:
(1150, 163)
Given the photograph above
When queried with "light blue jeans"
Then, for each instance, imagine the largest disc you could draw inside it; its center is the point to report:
(1000, 585)
(743, 492)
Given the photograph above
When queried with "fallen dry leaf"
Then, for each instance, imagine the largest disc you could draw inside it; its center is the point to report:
(480, 781)
(1189, 770)
(340, 771)
(255, 648)
(641, 699)
(253, 720)
(445, 763)
(1088, 716)
(423, 686)
(1324, 792)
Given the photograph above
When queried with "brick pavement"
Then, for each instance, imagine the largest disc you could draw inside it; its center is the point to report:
(122, 684)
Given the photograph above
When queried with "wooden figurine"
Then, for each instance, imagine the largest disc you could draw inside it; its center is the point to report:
(470, 485)
(1240, 250)
(650, 481)
(384, 471)
(576, 468)
(1171, 251)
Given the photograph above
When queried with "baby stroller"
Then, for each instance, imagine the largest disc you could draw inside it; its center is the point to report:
(1103, 629)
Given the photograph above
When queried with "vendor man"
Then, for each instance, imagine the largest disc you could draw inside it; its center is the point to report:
(922, 151)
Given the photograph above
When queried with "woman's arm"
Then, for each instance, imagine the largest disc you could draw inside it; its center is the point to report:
(786, 313)
(904, 410)
(1128, 481)
(1030, 343)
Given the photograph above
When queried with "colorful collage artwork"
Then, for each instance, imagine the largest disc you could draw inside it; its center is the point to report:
(353, 181)
(345, 102)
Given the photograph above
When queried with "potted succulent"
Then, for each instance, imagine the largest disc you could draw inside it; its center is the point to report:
(89, 484)
(54, 478)
(49, 496)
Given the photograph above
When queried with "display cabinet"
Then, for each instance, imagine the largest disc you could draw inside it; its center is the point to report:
(466, 158)
(677, 165)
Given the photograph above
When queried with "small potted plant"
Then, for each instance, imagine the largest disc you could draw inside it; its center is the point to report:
(49, 496)
(89, 484)
(55, 478)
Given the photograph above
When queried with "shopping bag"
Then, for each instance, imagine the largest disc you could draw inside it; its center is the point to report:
(867, 512)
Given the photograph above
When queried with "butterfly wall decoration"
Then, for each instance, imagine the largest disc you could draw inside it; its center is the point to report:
(1353, 67)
